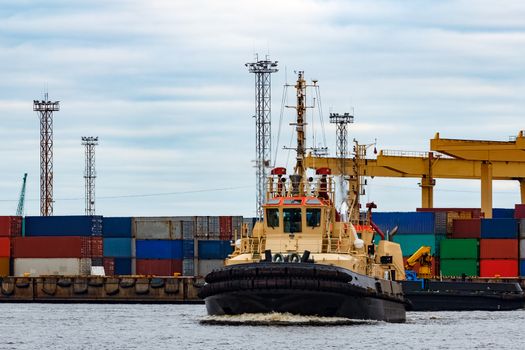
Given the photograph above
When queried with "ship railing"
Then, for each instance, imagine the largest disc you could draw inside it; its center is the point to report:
(412, 154)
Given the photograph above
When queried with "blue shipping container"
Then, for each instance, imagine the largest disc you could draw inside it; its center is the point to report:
(117, 247)
(188, 248)
(123, 266)
(522, 267)
(502, 213)
(116, 227)
(499, 228)
(158, 249)
(407, 222)
(63, 226)
(214, 249)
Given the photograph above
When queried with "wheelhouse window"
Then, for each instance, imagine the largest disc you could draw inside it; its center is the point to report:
(272, 217)
(313, 217)
(292, 220)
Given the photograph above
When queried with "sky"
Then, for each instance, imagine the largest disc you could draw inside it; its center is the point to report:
(164, 86)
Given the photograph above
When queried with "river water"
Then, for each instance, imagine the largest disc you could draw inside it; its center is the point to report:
(96, 326)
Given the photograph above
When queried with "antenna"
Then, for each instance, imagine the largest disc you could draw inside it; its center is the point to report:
(262, 70)
(90, 174)
(45, 109)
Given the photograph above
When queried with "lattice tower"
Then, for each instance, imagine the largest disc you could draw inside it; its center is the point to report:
(262, 70)
(90, 173)
(45, 109)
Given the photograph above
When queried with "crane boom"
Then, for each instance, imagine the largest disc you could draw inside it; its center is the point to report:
(423, 257)
(20, 208)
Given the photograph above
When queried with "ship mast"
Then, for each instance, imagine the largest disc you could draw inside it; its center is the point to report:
(300, 86)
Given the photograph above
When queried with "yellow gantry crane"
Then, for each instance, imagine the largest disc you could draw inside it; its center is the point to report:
(447, 159)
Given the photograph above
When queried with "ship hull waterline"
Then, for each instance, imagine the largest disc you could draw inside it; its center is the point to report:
(263, 289)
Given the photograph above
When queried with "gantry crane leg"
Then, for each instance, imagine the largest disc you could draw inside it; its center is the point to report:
(486, 189)
(427, 192)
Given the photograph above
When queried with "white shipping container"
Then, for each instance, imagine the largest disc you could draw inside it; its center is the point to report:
(55, 266)
(156, 228)
(188, 267)
(207, 266)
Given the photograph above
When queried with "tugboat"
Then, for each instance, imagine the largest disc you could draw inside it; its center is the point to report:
(303, 259)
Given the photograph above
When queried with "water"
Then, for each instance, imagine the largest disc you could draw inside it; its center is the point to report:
(79, 326)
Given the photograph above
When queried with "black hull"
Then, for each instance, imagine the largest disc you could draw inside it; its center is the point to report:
(302, 289)
(463, 296)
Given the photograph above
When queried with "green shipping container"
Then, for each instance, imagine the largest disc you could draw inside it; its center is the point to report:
(458, 267)
(459, 249)
(411, 243)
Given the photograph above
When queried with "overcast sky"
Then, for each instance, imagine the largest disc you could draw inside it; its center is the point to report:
(164, 86)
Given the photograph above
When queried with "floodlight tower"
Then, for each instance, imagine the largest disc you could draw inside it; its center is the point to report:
(262, 70)
(45, 109)
(90, 174)
(341, 121)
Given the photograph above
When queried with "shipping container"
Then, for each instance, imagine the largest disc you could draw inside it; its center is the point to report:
(116, 227)
(236, 226)
(156, 228)
(214, 249)
(498, 268)
(411, 243)
(459, 249)
(214, 228)
(522, 267)
(56, 247)
(226, 225)
(458, 267)
(117, 247)
(502, 213)
(188, 267)
(96, 247)
(109, 266)
(522, 228)
(519, 211)
(249, 222)
(522, 249)
(466, 228)
(159, 249)
(453, 214)
(498, 249)
(188, 248)
(204, 267)
(63, 226)
(5, 247)
(159, 267)
(201, 226)
(407, 222)
(188, 229)
(10, 226)
(440, 223)
(499, 228)
(123, 266)
(5, 267)
(64, 266)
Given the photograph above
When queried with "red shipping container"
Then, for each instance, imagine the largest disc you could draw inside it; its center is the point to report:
(433, 269)
(96, 247)
(5, 247)
(109, 266)
(158, 267)
(519, 211)
(498, 249)
(498, 268)
(10, 226)
(466, 228)
(52, 247)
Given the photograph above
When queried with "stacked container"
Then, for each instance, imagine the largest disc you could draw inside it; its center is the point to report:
(519, 214)
(499, 248)
(10, 226)
(61, 245)
(459, 257)
(118, 246)
(212, 254)
(163, 243)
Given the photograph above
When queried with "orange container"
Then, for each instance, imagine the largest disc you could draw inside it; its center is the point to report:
(498, 268)
(4, 266)
(498, 249)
